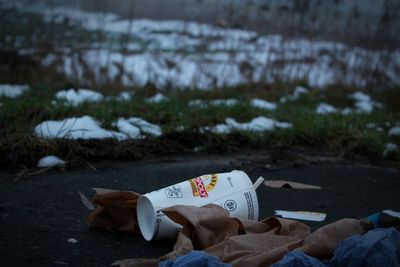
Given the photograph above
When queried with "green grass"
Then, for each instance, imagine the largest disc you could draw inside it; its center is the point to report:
(181, 124)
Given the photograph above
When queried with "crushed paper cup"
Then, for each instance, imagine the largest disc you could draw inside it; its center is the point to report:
(233, 191)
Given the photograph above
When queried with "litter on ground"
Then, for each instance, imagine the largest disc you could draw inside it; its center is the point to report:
(289, 184)
(302, 215)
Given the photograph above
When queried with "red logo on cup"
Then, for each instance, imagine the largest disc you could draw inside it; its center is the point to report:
(200, 187)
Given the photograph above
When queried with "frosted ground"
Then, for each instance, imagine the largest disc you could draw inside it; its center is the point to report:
(181, 54)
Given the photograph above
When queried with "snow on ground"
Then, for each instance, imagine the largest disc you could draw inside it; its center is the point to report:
(215, 102)
(12, 90)
(50, 161)
(394, 131)
(125, 96)
(75, 128)
(262, 104)
(135, 127)
(390, 148)
(374, 126)
(298, 91)
(76, 97)
(258, 124)
(324, 108)
(187, 54)
(364, 103)
(157, 98)
(88, 128)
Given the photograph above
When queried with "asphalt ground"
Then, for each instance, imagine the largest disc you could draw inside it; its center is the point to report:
(39, 213)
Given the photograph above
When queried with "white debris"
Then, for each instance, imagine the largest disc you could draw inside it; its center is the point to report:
(298, 91)
(394, 131)
(258, 124)
(72, 240)
(50, 161)
(324, 108)
(75, 98)
(13, 91)
(263, 104)
(392, 213)
(390, 148)
(302, 215)
(75, 128)
(157, 98)
(135, 127)
(125, 96)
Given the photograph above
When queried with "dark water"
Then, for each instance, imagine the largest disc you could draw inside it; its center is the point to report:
(368, 23)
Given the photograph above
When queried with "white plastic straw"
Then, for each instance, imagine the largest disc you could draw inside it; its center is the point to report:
(258, 182)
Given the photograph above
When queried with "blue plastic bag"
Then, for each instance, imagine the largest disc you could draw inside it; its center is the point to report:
(299, 259)
(194, 259)
(378, 247)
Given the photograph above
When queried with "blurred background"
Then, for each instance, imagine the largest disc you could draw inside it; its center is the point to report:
(204, 43)
(207, 75)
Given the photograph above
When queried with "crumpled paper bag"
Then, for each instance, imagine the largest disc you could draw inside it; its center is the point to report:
(241, 242)
(116, 210)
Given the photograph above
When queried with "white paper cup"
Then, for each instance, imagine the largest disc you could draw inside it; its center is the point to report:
(233, 191)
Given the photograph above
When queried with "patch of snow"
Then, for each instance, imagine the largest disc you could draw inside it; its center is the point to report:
(360, 96)
(75, 98)
(298, 91)
(215, 102)
(13, 90)
(267, 58)
(157, 98)
(390, 148)
(50, 161)
(364, 103)
(262, 104)
(135, 127)
(75, 128)
(347, 111)
(197, 103)
(125, 96)
(223, 102)
(258, 124)
(324, 108)
(72, 240)
(374, 126)
(394, 131)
